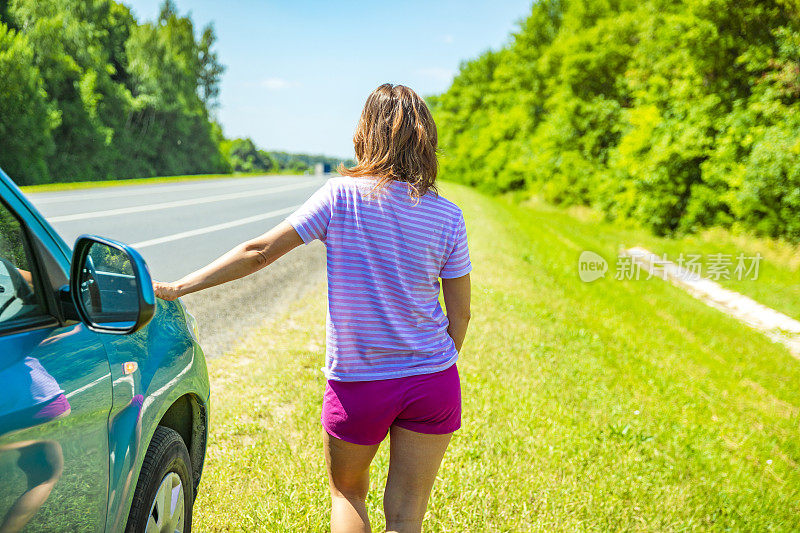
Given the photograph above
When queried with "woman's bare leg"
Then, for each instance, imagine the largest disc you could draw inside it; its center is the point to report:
(348, 477)
(413, 463)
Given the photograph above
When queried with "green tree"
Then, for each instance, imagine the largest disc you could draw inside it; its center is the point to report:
(132, 99)
(676, 113)
(26, 117)
(243, 156)
(69, 44)
(171, 75)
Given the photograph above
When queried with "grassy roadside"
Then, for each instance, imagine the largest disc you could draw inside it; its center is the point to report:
(74, 185)
(606, 406)
(778, 281)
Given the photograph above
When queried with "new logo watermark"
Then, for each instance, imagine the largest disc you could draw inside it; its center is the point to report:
(591, 266)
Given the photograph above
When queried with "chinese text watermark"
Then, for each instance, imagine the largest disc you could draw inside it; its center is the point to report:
(716, 266)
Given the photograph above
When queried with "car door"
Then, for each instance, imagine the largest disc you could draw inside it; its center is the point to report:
(55, 390)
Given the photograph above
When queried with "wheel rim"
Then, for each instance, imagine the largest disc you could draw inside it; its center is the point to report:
(166, 511)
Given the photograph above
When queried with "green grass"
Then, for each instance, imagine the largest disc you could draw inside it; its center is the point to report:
(607, 406)
(777, 284)
(73, 185)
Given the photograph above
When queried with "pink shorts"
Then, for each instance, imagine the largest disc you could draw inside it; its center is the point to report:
(361, 412)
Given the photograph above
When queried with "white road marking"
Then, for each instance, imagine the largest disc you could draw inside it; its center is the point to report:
(179, 203)
(134, 189)
(215, 227)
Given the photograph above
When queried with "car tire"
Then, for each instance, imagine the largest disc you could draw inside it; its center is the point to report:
(164, 486)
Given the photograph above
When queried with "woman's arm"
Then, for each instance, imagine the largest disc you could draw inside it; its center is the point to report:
(456, 292)
(241, 261)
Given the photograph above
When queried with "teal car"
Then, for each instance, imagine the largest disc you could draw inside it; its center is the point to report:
(104, 393)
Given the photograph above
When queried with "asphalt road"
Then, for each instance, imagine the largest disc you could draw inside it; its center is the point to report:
(179, 227)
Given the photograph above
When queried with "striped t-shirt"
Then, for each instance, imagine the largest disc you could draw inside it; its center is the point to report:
(385, 257)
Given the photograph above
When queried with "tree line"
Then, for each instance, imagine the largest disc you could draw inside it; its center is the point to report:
(89, 92)
(244, 156)
(680, 114)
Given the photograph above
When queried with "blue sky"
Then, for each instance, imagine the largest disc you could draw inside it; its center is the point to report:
(298, 72)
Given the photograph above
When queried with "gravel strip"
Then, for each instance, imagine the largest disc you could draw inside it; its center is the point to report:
(227, 312)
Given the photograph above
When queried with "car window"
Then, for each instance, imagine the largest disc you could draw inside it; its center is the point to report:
(20, 295)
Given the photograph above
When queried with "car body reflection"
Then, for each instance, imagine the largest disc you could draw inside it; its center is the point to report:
(31, 397)
(54, 397)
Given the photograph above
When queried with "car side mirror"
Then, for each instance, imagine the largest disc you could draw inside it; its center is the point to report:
(110, 286)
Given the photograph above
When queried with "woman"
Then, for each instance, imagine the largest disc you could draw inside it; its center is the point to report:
(391, 351)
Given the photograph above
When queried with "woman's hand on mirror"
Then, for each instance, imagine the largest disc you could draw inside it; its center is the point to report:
(166, 291)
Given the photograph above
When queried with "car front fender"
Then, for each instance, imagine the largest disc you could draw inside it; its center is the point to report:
(169, 365)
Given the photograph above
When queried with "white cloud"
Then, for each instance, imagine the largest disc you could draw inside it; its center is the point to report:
(447, 39)
(276, 84)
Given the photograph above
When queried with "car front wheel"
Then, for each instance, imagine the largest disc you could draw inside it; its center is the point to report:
(164, 494)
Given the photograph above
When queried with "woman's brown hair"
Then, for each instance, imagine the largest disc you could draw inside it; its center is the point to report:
(396, 140)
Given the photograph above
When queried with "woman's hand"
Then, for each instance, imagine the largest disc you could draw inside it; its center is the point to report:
(166, 291)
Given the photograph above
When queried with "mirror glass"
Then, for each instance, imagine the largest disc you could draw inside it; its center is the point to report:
(108, 287)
